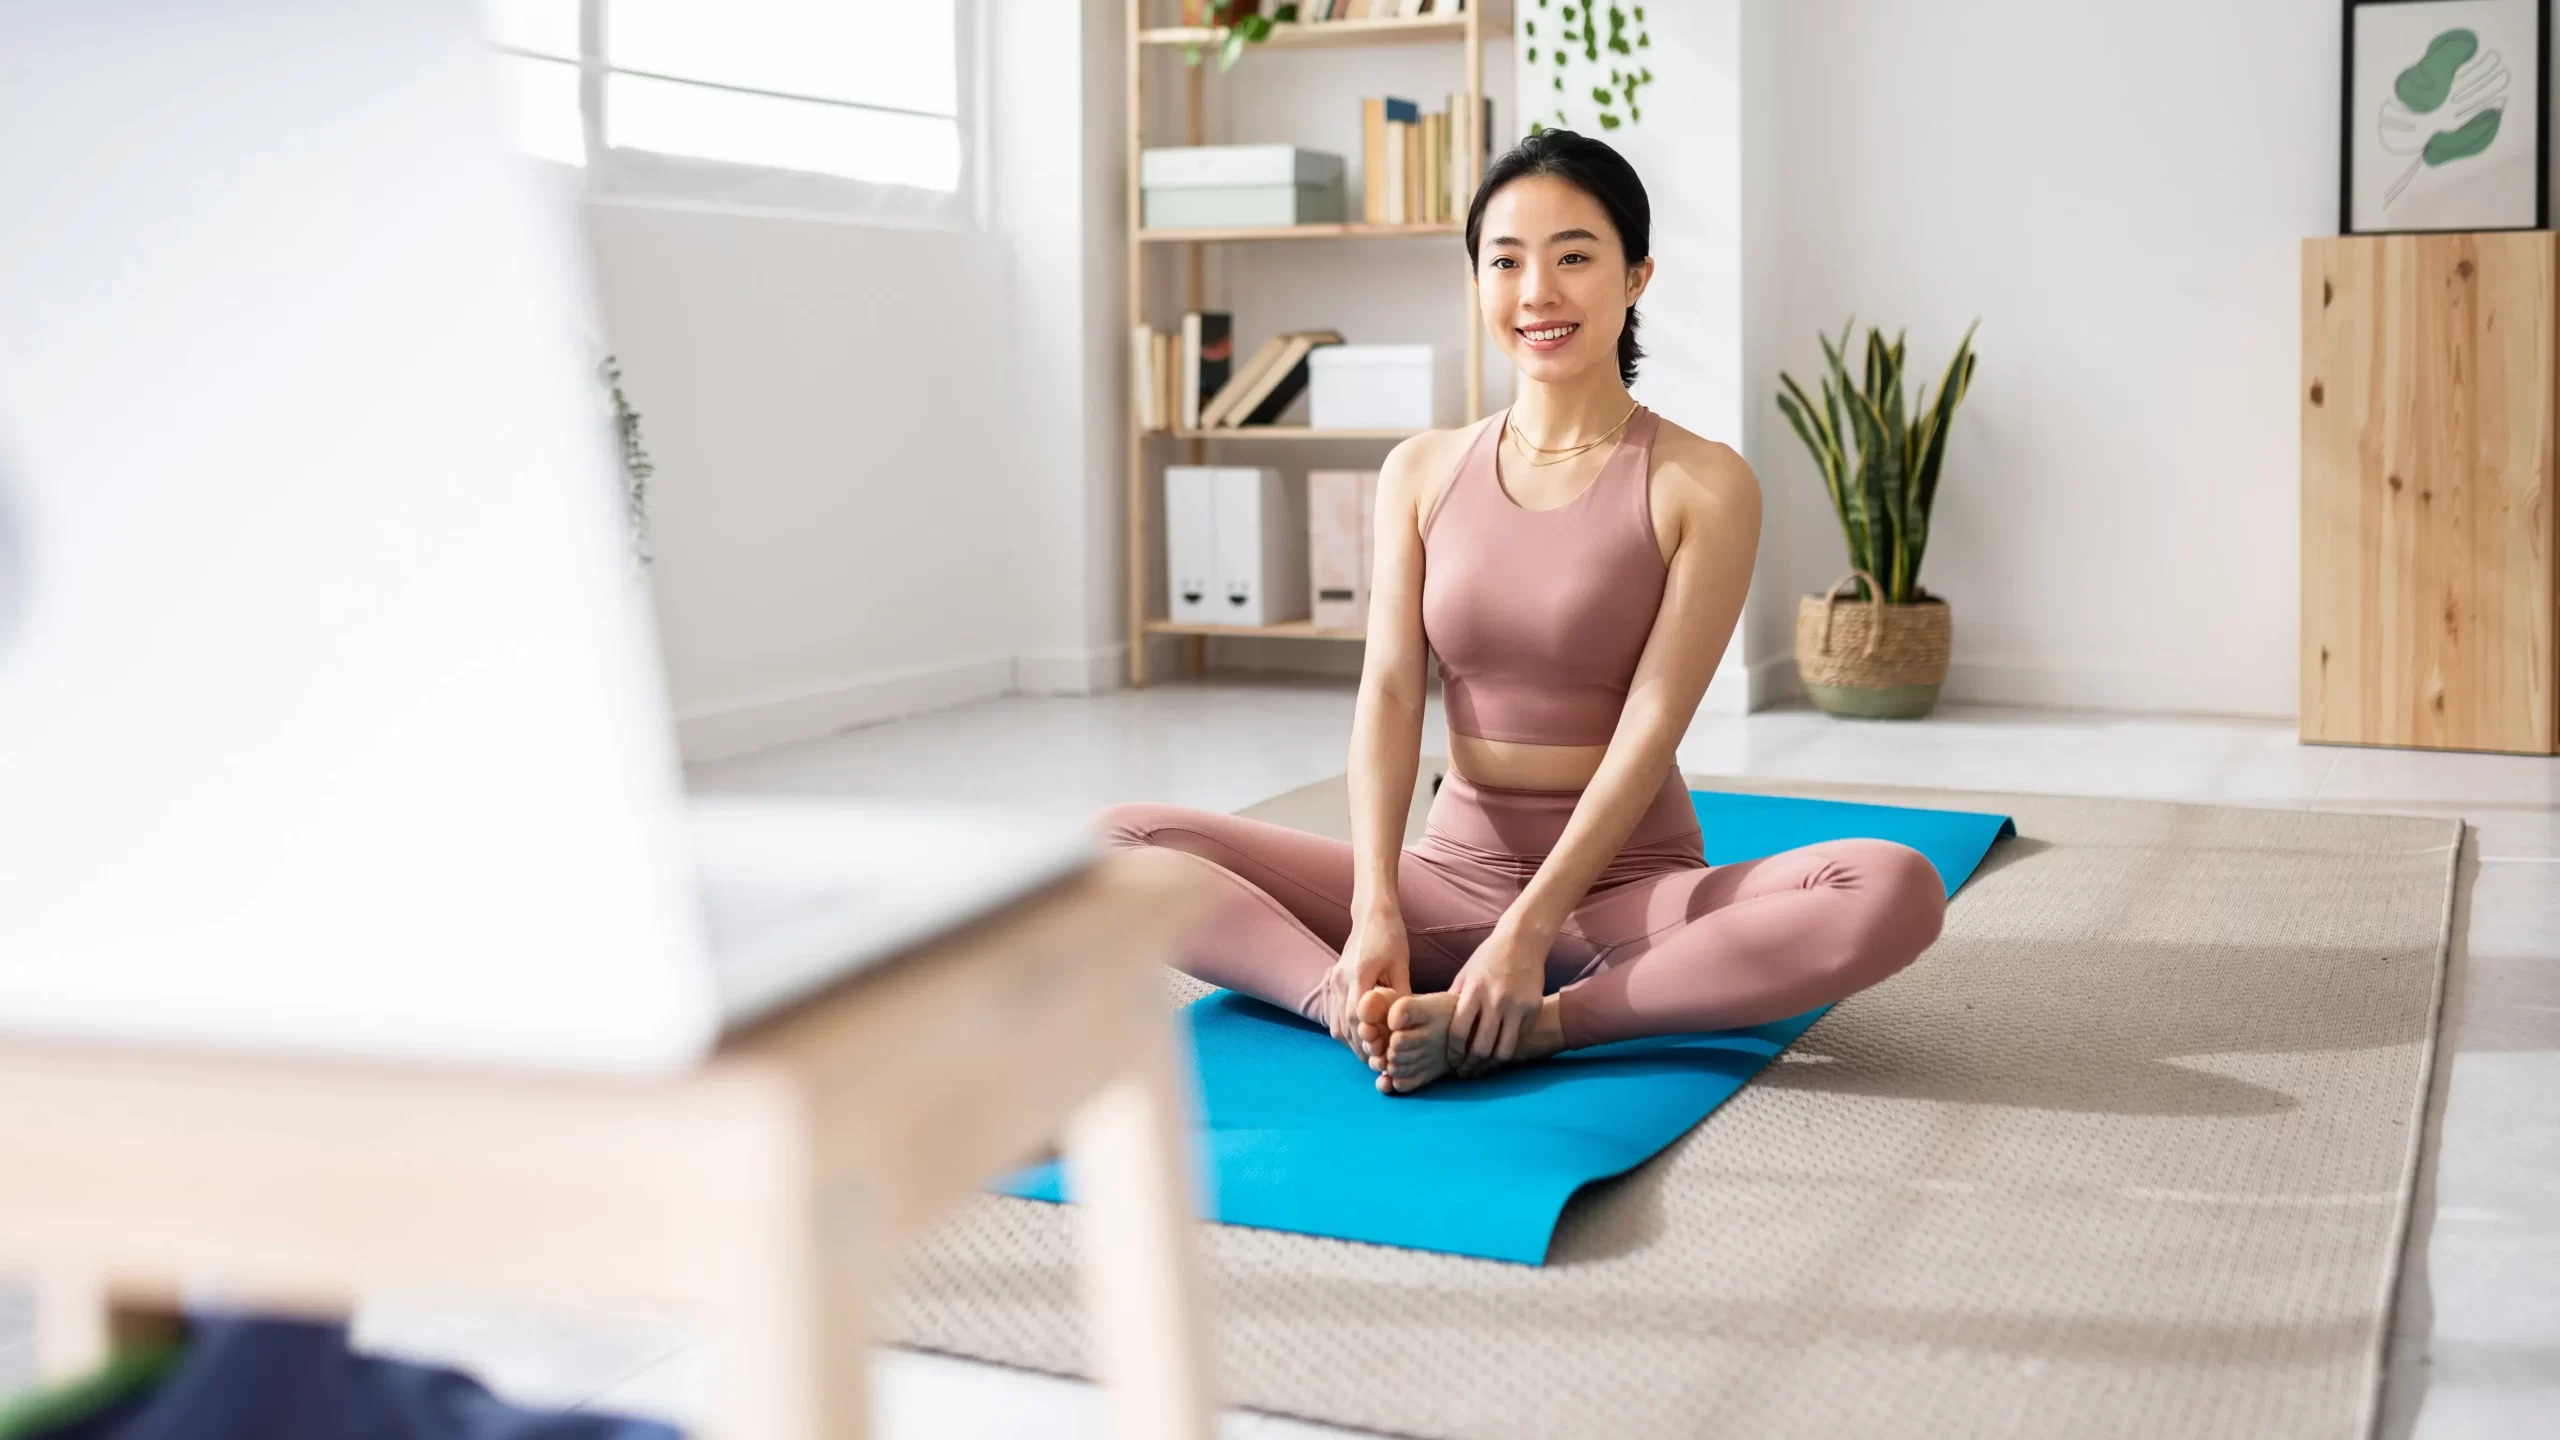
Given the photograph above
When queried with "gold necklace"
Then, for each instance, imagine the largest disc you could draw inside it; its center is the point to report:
(1566, 452)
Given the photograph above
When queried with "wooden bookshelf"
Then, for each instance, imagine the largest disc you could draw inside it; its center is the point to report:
(1467, 29)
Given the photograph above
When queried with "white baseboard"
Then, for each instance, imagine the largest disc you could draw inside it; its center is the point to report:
(1740, 689)
(1091, 670)
(2057, 687)
(724, 731)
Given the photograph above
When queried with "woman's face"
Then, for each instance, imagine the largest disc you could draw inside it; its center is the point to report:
(1553, 279)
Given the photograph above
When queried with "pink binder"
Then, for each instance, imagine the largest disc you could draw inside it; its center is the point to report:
(1340, 504)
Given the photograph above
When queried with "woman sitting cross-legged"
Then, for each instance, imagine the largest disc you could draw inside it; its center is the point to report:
(1577, 563)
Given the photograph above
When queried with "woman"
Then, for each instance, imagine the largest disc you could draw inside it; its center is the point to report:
(1577, 563)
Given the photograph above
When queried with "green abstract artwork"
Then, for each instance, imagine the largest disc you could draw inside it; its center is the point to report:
(2444, 109)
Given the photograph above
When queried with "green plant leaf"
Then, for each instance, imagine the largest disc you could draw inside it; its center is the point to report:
(1940, 421)
(1821, 440)
(1529, 28)
(1533, 54)
(1231, 49)
(1608, 121)
(1601, 94)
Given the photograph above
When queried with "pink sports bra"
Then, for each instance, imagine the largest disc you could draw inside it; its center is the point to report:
(1539, 616)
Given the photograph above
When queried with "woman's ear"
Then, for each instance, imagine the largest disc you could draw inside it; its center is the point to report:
(1639, 275)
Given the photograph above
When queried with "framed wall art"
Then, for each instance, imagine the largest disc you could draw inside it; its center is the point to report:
(2447, 119)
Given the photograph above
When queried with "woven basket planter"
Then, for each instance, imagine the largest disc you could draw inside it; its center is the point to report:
(1876, 660)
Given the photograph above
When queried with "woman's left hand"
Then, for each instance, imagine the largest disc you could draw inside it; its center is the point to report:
(1499, 991)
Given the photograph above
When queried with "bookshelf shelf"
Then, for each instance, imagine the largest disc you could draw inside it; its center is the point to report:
(1353, 230)
(1325, 34)
(1284, 432)
(1290, 629)
(1469, 29)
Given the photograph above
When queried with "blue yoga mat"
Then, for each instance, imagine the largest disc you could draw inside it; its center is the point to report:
(1297, 1137)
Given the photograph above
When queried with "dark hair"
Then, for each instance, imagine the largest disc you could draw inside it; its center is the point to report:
(1596, 170)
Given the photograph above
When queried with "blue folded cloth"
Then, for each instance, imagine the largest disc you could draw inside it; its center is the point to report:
(1296, 1137)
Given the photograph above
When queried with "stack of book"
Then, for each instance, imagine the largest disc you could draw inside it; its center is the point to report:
(1188, 379)
(1177, 372)
(1264, 385)
(1410, 162)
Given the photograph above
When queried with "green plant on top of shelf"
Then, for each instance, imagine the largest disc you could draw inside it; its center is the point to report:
(1242, 30)
(1582, 32)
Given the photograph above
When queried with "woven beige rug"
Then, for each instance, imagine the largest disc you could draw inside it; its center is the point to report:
(2127, 1153)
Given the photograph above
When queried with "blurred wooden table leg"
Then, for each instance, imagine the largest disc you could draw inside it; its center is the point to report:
(1127, 1150)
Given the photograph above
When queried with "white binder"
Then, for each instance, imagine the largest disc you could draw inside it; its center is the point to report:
(1262, 547)
(1191, 544)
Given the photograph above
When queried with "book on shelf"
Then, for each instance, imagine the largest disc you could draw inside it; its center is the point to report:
(1142, 378)
(1238, 378)
(1208, 357)
(1280, 382)
(1386, 121)
(1411, 171)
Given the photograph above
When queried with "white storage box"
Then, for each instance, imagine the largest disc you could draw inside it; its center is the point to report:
(1369, 387)
(1238, 185)
(1246, 528)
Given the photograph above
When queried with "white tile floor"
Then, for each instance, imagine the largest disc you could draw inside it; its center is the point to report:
(2477, 1352)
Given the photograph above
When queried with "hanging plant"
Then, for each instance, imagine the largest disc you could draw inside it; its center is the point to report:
(1247, 28)
(636, 466)
(1576, 33)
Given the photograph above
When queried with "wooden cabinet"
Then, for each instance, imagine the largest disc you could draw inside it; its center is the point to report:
(2429, 613)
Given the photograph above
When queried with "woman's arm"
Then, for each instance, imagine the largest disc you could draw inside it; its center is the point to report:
(1386, 748)
(1386, 722)
(1719, 537)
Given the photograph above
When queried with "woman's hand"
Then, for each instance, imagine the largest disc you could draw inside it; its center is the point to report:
(1373, 957)
(1499, 991)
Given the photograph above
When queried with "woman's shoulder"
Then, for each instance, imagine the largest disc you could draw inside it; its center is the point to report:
(1422, 464)
(1704, 470)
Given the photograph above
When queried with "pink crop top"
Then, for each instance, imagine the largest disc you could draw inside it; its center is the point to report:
(1539, 616)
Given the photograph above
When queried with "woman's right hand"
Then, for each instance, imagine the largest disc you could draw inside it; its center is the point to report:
(1374, 956)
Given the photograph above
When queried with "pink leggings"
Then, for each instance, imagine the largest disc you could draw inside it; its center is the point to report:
(1662, 943)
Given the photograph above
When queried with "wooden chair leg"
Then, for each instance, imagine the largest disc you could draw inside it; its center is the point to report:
(1128, 1151)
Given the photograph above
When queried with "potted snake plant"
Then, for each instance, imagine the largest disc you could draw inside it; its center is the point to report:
(1887, 657)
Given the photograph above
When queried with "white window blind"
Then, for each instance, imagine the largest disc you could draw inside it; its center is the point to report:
(848, 106)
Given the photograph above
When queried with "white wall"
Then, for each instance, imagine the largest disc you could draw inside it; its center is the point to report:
(888, 461)
(2119, 193)
(822, 515)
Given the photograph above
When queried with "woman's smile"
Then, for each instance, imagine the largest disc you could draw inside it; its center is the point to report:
(1553, 335)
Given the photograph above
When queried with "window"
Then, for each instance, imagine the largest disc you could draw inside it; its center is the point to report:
(846, 106)
(537, 57)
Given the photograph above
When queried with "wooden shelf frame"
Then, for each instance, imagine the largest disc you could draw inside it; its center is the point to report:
(1350, 230)
(1468, 29)
(1283, 432)
(1323, 34)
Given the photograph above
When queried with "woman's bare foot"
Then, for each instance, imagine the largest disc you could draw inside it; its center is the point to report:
(1370, 1025)
(1418, 1047)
